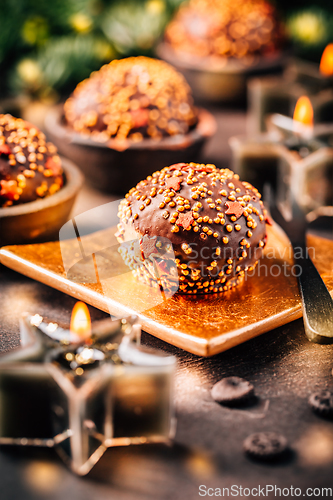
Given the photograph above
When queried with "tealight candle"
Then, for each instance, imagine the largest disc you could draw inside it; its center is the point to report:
(82, 394)
(297, 133)
(293, 154)
(279, 94)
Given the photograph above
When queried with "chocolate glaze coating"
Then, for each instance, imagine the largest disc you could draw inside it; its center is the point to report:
(215, 222)
(133, 98)
(29, 167)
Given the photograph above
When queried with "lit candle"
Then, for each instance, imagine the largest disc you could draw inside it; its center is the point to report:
(296, 133)
(293, 154)
(279, 94)
(80, 321)
(85, 389)
(303, 111)
(326, 62)
(80, 327)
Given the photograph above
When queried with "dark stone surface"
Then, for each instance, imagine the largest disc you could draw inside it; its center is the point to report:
(284, 367)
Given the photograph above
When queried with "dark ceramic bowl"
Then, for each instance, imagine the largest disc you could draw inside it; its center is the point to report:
(222, 80)
(115, 171)
(42, 219)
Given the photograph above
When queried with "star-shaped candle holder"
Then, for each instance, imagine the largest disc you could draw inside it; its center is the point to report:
(290, 156)
(83, 395)
(278, 94)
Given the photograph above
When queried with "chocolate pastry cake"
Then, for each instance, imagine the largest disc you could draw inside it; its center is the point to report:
(225, 28)
(215, 224)
(30, 168)
(132, 99)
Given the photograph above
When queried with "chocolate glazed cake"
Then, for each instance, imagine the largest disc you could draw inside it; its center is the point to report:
(225, 29)
(215, 223)
(132, 99)
(30, 168)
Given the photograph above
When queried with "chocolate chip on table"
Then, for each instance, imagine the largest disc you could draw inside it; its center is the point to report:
(232, 391)
(265, 445)
(321, 403)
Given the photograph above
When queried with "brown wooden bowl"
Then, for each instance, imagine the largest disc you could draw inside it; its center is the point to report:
(116, 171)
(41, 220)
(220, 80)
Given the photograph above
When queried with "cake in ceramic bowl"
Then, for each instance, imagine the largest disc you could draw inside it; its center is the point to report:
(130, 115)
(130, 100)
(30, 167)
(37, 187)
(217, 43)
(214, 222)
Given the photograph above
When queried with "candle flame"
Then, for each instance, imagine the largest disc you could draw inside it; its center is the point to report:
(303, 111)
(80, 321)
(326, 63)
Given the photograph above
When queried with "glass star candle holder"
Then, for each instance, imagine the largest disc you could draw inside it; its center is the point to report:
(84, 394)
(290, 156)
(279, 94)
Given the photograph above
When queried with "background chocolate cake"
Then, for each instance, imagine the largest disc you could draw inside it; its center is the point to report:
(133, 98)
(30, 168)
(225, 28)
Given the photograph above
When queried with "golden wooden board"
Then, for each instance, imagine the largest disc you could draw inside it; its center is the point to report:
(202, 325)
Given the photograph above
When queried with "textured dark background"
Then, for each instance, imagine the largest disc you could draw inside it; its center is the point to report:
(283, 366)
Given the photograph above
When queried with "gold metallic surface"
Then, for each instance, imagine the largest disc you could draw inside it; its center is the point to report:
(202, 325)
